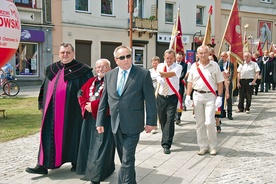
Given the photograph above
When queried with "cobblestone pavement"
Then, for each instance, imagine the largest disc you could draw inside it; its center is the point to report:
(252, 159)
(246, 153)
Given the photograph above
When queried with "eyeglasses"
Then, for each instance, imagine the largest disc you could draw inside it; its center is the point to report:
(65, 53)
(123, 57)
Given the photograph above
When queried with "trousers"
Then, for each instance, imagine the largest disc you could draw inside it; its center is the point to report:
(204, 109)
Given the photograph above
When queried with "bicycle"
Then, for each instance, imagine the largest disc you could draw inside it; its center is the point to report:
(10, 87)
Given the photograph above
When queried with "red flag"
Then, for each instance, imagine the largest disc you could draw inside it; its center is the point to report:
(259, 48)
(176, 41)
(233, 33)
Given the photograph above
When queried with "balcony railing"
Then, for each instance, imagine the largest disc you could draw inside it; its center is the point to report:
(143, 23)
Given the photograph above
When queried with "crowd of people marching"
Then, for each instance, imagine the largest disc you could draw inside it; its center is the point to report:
(85, 117)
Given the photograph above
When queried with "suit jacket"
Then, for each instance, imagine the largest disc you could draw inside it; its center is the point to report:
(230, 69)
(128, 110)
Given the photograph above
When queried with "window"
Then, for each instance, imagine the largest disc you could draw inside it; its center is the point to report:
(26, 60)
(169, 12)
(138, 8)
(138, 56)
(266, 1)
(199, 15)
(83, 5)
(107, 7)
(25, 3)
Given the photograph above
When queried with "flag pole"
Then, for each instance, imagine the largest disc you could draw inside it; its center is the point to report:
(130, 21)
(207, 27)
(230, 15)
(177, 19)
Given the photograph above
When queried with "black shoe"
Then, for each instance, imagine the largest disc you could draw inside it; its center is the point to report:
(230, 117)
(93, 182)
(218, 129)
(73, 168)
(167, 151)
(37, 170)
(223, 115)
(261, 91)
(177, 122)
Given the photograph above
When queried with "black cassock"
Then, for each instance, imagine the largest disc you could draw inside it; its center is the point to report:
(96, 151)
(62, 119)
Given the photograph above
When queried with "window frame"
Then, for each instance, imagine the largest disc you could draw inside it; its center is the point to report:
(83, 11)
(202, 13)
(140, 9)
(173, 12)
(266, 1)
(112, 8)
(29, 5)
(36, 53)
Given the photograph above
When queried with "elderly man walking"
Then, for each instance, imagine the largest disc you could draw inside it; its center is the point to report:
(247, 75)
(205, 78)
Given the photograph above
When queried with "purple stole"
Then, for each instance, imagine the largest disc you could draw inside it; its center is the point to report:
(56, 87)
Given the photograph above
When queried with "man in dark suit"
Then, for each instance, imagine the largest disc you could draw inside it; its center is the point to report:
(180, 61)
(228, 68)
(128, 89)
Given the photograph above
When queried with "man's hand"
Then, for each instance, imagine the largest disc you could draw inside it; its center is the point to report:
(238, 85)
(188, 101)
(160, 80)
(149, 128)
(218, 102)
(100, 129)
(88, 106)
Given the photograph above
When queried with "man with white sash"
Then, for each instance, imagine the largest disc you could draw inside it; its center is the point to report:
(205, 78)
(168, 96)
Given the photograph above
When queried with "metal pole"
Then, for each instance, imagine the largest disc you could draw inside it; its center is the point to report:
(194, 45)
(130, 21)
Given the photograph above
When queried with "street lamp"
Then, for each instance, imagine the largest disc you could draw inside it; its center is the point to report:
(194, 44)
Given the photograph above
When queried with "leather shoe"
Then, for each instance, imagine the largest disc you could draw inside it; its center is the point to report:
(230, 117)
(93, 182)
(74, 167)
(177, 122)
(202, 151)
(213, 152)
(38, 169)
(167, 151)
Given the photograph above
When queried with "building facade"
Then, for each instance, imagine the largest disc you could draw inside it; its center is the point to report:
(35, 47)
(96, 28)
(257, 19)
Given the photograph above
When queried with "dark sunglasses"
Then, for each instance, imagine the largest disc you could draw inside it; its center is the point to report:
(123, 57)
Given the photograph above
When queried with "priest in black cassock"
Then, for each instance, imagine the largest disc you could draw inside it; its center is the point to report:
(61, 113)
(96, 151)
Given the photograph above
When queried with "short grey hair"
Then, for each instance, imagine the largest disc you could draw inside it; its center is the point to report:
(121, 47)
(103, 59)
(170, 51)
